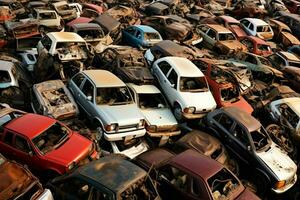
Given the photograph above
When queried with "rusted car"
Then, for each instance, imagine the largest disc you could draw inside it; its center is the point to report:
(220, 39)
(283, 34)
(293, 6)
(157, 8)
(213, 6)
(224, 84)
(6, 14)
(15, 7)
(173, 27)
(110, 177)
(198, 13)
(91, 10)
(178, 176)
(19, 183)
(246, 9)
(126, 62)
(125, 15)
(275, 6)
(93, 34)
(207, 145)
(232, 24)
(257, 46)
(64, 10)
(52, 98)
(292, 21)
(61, 54)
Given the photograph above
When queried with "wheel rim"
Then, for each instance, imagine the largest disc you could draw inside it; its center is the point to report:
(177, 113)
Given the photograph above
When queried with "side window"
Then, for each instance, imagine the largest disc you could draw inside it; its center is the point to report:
(212, 34)
(138, 34)
(240, 134)
(173, 78)
(8, 138)
(78, 79)
(248, 44)
(245, 23)
(130, 30)
(251, 27)
(251, 59)
(88, 88)
(164, 67)
(46, 41)
(175, 177)
(132, 93)
(76, 188)
(224, 121)
(22, 144)
(289, 115)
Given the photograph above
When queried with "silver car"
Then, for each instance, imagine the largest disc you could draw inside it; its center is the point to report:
(107, 102)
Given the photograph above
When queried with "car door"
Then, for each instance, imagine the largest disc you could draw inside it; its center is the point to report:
(87, 98)
(160, 71)
(211, 38)
(75, 85)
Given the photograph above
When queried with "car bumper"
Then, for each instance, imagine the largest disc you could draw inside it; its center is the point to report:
(131, 152)
(125, 135)
(46, 195)
(163, 134)
(193, 115)
(286, 187)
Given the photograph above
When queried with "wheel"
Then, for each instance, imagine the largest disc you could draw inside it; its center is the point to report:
(260, 183)
(178, 113)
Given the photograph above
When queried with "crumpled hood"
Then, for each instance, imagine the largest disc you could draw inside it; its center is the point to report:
(159, 117)
(75, 149)
(181, 29)
(122, 114)
(279, 162)
(66, 12)
(139, 74)
(233, 44)
(200, 100)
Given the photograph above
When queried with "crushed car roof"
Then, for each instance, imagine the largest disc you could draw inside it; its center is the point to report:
(114, 173)
(103, 78)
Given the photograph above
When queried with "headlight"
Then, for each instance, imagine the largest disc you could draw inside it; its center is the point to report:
(279, 184)
(111, 127)
(189, 110)
(151, 128)
(142, 123)
(71, 166)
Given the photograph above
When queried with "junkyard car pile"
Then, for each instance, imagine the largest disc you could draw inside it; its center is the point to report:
(150, 99)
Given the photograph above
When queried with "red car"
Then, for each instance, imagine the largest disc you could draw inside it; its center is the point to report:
(223, 84)
(232, 24)
(44, 144)
(293, 6)
(257, 46)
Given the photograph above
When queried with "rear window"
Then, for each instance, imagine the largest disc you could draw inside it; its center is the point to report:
(47, 15)
(4, 77)
(263, 29)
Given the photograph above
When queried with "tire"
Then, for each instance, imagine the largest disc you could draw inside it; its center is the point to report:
(178, 113)
(261, 184)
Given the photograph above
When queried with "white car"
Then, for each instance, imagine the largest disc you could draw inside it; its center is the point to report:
(287, 111)
(77, 7)
(185, 87)
(257, 27)
(160, 121)
(48, 20)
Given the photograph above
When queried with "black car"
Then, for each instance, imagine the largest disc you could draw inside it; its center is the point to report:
(110, 178)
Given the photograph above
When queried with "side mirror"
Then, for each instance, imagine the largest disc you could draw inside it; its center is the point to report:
(173, 85)
(89, 98)
(249, 148)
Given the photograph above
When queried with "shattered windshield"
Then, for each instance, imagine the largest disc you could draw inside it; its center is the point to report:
(260, 139)
(51, 138)
(226, 36)
(193, 84)
(152, 101)
(223, 184)
(113, 96)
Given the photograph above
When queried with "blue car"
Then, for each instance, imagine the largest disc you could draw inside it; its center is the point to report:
(140, 36)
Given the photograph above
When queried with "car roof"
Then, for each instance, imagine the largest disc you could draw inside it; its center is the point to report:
(112, 172)
(218, 28)
(292, 102)
(144, 89)
(6, 65)
(30, 125)
(197, 163)
(86, 26)
(229, 19)
(103, 78)
(257, 22)
(257, 40)
(183, 66)
(168, 46)
(243, 117)
(147, 29)
(289, 56)
(65, 37)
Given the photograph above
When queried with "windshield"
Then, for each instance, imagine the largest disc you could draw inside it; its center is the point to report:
(264, 61)
(226, 36)
(4, 77)
(230, 94)
(193, 84)
(223, 184)
(152, 101)
(263, 29)
(151, 36)
(47, 15)
(264, 47)
(51, 138)
(113, 96)
(91, 34)
(260, 139)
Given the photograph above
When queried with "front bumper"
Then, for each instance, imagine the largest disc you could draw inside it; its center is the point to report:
(131, 152)
(124, 135)
(286, 187)
(193, 115)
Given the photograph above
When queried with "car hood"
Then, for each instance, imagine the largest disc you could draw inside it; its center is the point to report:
(181, 29)
(74, 149)
(238, 31)
(114, 114)
(233, 44)
(247, 195)
(241, 103)
(159, 117)
(279, 162)
(200, 100)
(138, 74)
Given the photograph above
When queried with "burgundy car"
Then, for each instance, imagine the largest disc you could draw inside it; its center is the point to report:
(190, 175)
(44, 144)
(257, 46)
